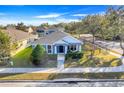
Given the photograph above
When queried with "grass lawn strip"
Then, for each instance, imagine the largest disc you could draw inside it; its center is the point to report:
(51, 76)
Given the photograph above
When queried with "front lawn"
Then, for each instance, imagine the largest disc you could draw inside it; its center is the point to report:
(51, 76)
(24, 76)
(101, 58)
(22, 59)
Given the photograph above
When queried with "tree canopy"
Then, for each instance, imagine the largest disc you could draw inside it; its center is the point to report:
(21, 26)
(105, 25)
(4, 47)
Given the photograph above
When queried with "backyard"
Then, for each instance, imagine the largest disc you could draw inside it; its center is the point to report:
(101, 58)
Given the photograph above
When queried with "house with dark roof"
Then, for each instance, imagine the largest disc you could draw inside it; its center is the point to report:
(43, 31)
(59, 42)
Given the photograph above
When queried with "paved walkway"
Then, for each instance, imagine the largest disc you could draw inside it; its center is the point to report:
(60, 60)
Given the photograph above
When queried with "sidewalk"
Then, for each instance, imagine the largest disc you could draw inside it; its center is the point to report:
(66, 70)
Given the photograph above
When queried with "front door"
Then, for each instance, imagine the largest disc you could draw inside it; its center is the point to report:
(61, 49)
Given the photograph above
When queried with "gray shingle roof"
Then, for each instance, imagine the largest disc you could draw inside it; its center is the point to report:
(17, 35)
(51, 38)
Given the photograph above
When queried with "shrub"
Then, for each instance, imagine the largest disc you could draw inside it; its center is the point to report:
(74, 55)
(37, 55)
(116, 63)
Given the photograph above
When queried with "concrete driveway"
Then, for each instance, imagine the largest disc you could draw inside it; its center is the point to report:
(115, 46)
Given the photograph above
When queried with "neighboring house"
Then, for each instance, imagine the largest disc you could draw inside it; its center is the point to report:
(40, 31)
(20, 38)
(45, 31)
(59, 42)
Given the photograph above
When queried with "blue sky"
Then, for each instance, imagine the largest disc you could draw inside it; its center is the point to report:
(51, 14)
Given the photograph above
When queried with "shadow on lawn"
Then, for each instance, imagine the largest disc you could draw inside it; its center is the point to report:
(111, 75)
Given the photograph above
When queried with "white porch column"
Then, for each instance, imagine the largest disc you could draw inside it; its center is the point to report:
(55, 50)
(51, 49)
(47, 48)
(79, 47)
(65, 49)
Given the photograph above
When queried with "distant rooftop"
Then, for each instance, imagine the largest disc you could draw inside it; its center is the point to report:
(17, 35)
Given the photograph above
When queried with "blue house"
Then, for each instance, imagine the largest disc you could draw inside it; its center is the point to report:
(59, 42)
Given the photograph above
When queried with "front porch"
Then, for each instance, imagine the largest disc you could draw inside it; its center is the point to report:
(62, 49)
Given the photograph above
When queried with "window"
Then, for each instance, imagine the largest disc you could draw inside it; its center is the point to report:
(72, 47)
(51, 31)
(49, 49)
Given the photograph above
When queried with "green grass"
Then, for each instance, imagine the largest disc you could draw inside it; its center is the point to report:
(22, 59)
(101, 58)
(25, 76)
(51, 76)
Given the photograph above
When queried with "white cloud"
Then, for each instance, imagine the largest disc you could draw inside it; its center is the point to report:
(83, 15)
(5, 21)
(99, 13)
(66, 20)
(80, 15)
(1, 14)
(54, 15)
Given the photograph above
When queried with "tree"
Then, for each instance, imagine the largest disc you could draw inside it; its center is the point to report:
(44, 25)
(37, 55)
(92, 25)
(112, 28)
(116, 17)
(120, 12)
(4, 47)
(122, 42)
(21, 26)
(2, 27)
(10, 25)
